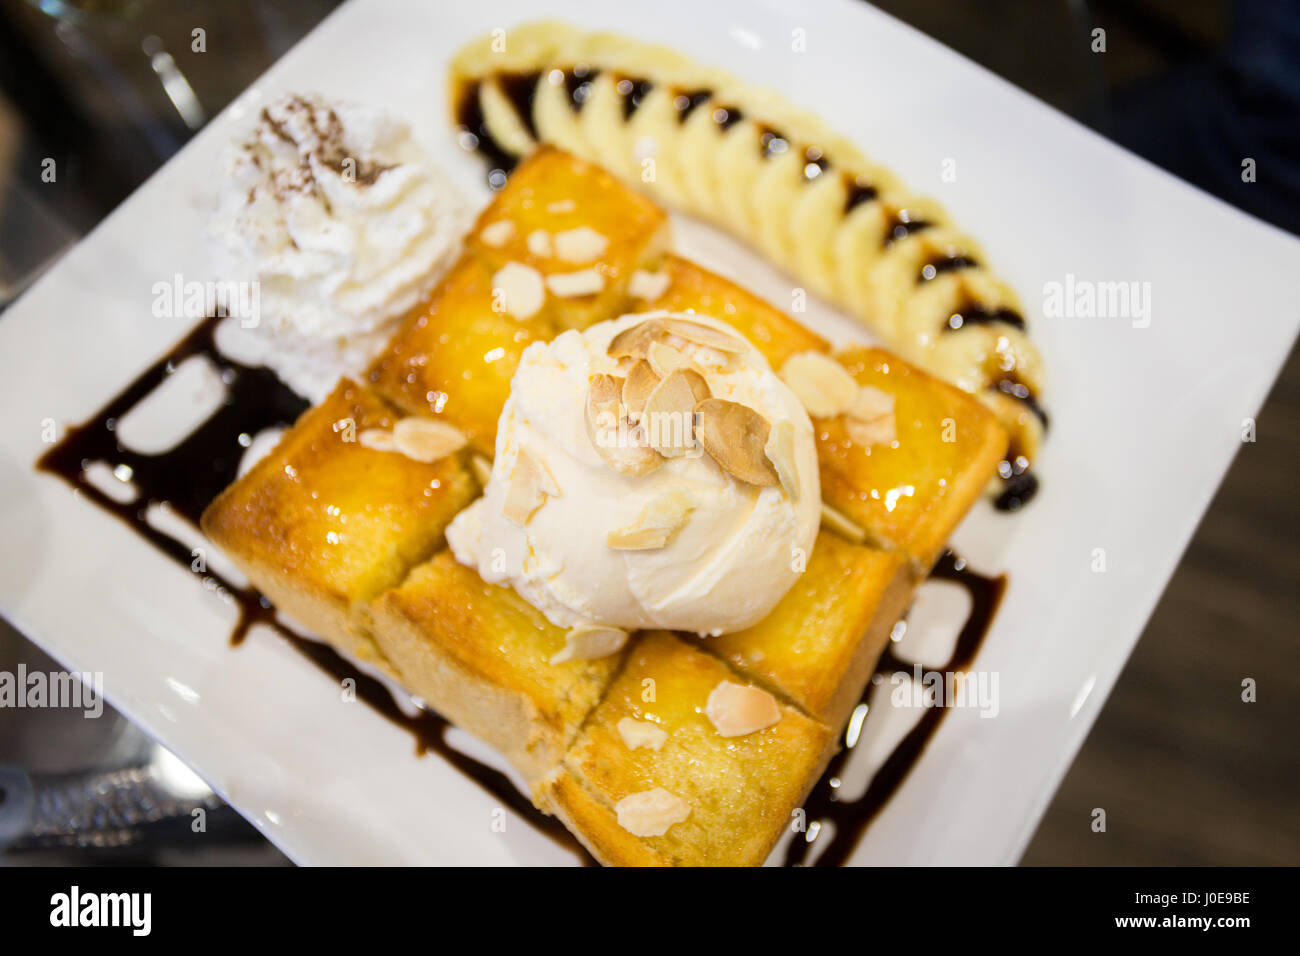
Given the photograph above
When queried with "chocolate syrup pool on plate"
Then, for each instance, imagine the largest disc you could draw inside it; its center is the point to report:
(190, 475)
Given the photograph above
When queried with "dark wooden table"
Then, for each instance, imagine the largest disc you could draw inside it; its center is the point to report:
(1186, 771)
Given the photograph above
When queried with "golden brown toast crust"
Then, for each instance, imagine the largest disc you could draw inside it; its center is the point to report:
(480, 655)
(912, 494)
(742, 790)
(453, 357)
(818, 646)
(554, 192)
(323, 522)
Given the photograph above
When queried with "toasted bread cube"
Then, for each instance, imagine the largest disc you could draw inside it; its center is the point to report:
(480, 655)
(694, 289)
(454, 357)
(910, 494)
(741, 791)
(554, 193)
(324, 522)
(820, 643)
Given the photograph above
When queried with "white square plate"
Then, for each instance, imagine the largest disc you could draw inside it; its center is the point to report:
(1145, 422)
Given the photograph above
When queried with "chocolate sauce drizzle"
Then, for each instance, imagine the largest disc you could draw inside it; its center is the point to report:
(814, 163)
(771, 142)
(1011, 385)
(901, 224)
(850, 818)
(577, 83)
(189, 476)
(686, 103)
(634, 92)
(726, 117)
(949, 263)
(521, 90)
(476, 135)
(856, 193)
(972, 314)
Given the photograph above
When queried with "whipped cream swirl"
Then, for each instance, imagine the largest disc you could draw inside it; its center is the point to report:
(344, 223)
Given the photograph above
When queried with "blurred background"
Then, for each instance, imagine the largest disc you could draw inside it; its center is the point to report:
(1186, 773)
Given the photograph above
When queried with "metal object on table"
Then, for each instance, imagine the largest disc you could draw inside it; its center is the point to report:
(72, 780)
(97, 809)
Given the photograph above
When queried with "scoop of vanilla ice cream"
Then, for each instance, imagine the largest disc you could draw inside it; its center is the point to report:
(343, 222)
(741, 550)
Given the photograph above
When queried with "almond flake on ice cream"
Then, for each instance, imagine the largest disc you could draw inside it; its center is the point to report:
(530, 485)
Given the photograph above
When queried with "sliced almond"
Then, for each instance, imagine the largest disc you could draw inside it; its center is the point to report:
(658, 522)
(736, 436)
(706, 335)
(427, 440)
(822, 384)
(669, 416)
(561, 205)
(605, 389)
(482, 469)
(651, 812)
(539, 243)
(665, 359)
(587, 642)
(869, 420)
(641, 381)
(378, 439)
(641, 733)
(878, 431)
(530, 485)
(842, 524)
(621, 449)
(571, 285)
(634, 341)
(497, 234)
(582, 244)
(521, 289)
(780, 452)
(871, 403)
(648, 286)
(737, 709)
